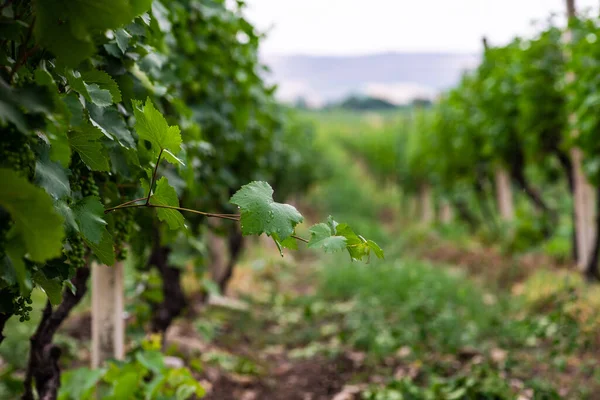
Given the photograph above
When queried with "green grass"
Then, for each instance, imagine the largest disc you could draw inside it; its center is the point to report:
(411, 303)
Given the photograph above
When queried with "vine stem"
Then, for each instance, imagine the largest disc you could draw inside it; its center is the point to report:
(232, 217)
(126, 204)
(154, 177)
(300, 238)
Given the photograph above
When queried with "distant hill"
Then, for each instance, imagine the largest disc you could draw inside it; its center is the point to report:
(396, 77)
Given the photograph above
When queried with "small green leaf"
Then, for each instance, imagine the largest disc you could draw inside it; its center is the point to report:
(89, 214)
(67, 213)
(52, 177)
(104, 81)
(184, 392)
(92, 92)
(288, 243)
(261, 214)
(52, 287)
(15, 253)
(36, 220)
(98, 96)
(150, 125)
(30, 98)
(85, 142)
(79, 383)
(73, 104)
(165, 195)
(60, 150)
(151, 359)
(111, 123)
(354, 244)
(122, 38)
(126, 385)
(357, 246)
(322, 236)
(104, 250)
(376, 249)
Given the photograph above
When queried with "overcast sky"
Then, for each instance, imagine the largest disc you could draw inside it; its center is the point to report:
(345, 27)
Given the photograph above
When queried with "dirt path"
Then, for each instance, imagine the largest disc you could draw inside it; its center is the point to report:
(314, 379)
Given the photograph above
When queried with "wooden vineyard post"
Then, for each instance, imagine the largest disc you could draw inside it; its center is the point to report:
(504, 195)
(446, 214)
(584, 200)
(108, 324)
(584, 195)
(427, 214)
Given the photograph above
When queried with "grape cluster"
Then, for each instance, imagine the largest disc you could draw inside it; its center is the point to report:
(75, 178)
(75, 255)
(22, 307)
(88, 185)
(123, 227)
(16, 152)
(82, 179)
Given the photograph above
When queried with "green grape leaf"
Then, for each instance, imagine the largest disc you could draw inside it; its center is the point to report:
(290, 243)
(111, 123)
(357, 246)
(261, 214)
(36, 220)
(104, 81)
(323, 236)
(52, 287)
(73, 104)
(152, 360)
(376, 249)
(138, 7)
(92, 92)
(127, 383)
(67, 213)
(8, 275)
(13, 103)
(79, 383)
(104, 251)
(122, 38)
(9, 110)
(44, 78)
(60, 150)
(85, 142)
(89, 215)
(150, 125)
(98, 96)
(165, 195)
(68, 29)
(15, 254)
(52, 177)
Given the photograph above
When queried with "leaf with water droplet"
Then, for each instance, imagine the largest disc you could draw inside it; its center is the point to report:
(261, 214)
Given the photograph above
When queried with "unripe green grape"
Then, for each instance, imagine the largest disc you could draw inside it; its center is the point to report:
(75, 255)
(16, 152)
